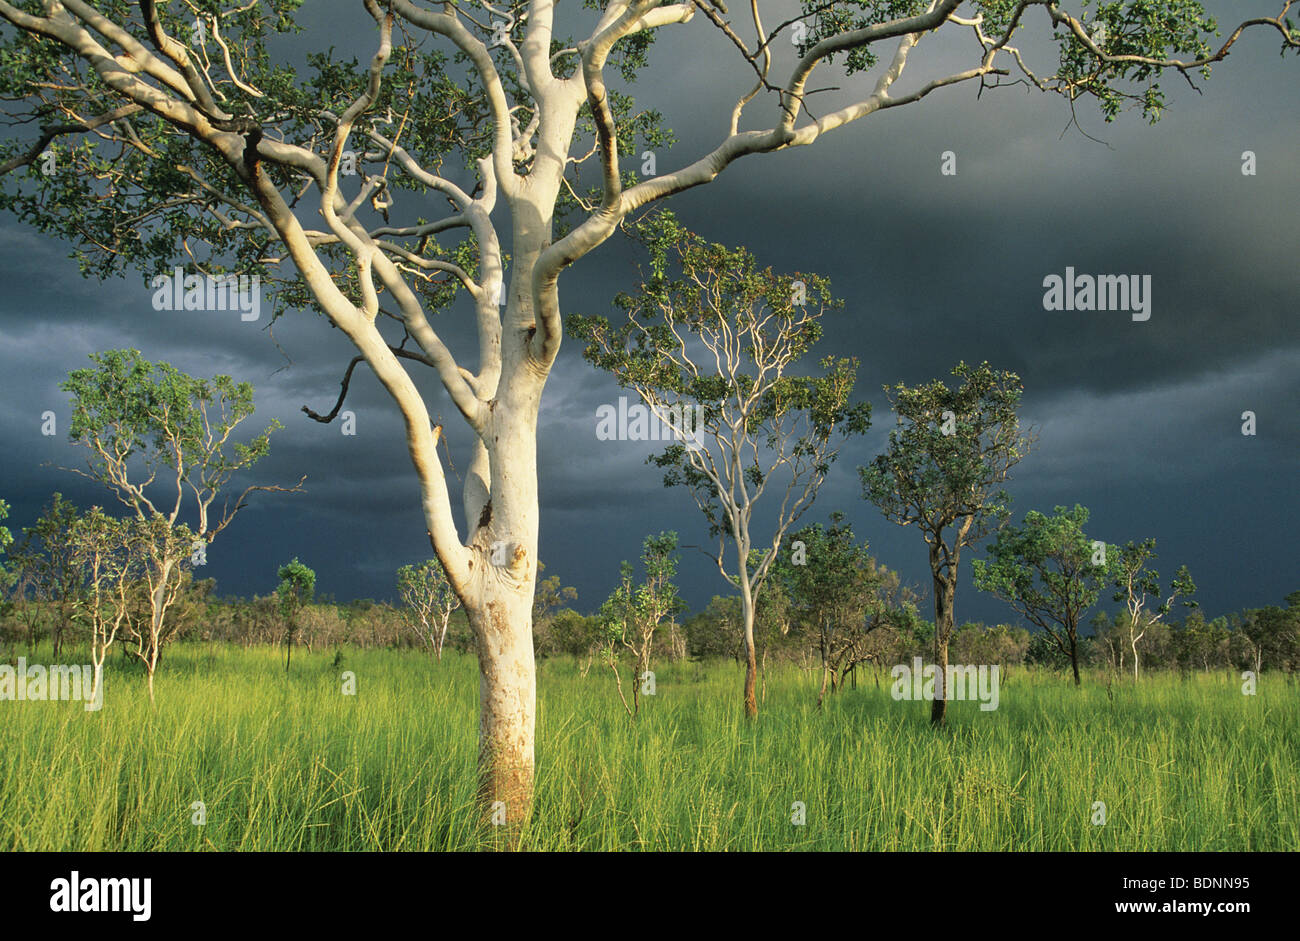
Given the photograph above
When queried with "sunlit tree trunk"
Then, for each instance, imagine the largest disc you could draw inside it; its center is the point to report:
(751, 659)
(945, 589)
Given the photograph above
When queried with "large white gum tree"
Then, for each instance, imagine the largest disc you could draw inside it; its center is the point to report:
(149, 133)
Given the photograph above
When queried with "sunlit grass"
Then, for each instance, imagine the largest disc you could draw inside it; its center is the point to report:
(289, 763)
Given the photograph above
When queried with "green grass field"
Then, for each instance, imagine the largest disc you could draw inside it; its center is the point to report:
(292, 764)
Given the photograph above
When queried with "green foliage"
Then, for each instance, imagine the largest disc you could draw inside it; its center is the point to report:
(837, 596)
(1134, 579)
(107, 554)
(1125, 31)
(1045, 568)
(297, 587)
(7, 576)
(147, 220)
(718, 630)
(425, 584)
(125, 406)
(752, 324)
(47, 558)
(160, 198)
(572, 633)
(839, 587)
(630, 616)
(833, 575)
(1160, 29)
(705, 289)
(825, 20)
(550, 595)
(6, 537)
(1002, 644)
(936, 480)
(428, 600)
(1267, 638)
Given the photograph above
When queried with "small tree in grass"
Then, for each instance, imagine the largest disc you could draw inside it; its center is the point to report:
(11, 585)
(107, 552)
(429, 601)
(48, 575)
(943, 471)
(296, 588)
(1048, 571)
(633, 613)
(839, 595)
(1134, 582)
(707, 345)
(549, 599)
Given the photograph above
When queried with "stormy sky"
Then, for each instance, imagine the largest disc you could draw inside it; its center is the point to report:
(1139, 421)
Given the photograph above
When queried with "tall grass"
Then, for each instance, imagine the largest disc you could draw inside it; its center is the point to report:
(289, 763)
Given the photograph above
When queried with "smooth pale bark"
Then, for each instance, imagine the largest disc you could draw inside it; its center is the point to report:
(498, 600)
(507, 701)
(441, 638)
(751, 659)
(751, 681)
(158, 604)
(102, 637)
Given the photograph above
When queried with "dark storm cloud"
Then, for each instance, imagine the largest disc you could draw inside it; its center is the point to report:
(1140, 421)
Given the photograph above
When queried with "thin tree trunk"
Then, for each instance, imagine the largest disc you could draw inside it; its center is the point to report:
(618, 682)
(939, 706)
(751, 677)
(944, 590)
(157, 606)
(826, 667)
(636, 687)
(751, 659)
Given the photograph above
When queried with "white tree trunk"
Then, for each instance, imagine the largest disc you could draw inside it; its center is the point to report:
(507, 699)
(498, 600)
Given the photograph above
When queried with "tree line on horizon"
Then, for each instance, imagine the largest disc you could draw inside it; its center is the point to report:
(849, 618)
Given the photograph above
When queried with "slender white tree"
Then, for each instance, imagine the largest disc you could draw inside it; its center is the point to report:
(713, 336)
(1138, 585)
(429, 601)
(106, 550)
